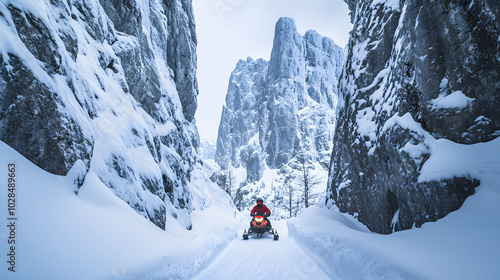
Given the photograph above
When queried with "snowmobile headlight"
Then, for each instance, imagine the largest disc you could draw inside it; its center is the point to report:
(259, 220)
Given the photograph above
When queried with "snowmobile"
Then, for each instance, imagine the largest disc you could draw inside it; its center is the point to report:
(259, 226)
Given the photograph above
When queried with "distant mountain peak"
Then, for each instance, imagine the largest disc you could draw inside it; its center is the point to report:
(279, 109)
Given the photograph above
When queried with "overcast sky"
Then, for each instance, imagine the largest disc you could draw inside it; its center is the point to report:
(230, 30)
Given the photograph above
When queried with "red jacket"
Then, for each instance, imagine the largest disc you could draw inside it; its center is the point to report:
(260, 211)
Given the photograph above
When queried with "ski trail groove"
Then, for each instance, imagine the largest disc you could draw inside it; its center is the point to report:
(264, 258)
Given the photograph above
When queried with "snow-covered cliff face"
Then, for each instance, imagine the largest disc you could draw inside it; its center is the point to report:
(106, 87)
(278, 109)
(417, 72)
(207, 149)
(241, 116)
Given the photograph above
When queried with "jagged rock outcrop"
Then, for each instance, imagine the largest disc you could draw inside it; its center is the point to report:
(108, 87)
(416, 71)
(207, 149)
(278, 109)
(241, 118)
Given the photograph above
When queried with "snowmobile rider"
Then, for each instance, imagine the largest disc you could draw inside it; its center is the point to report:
(261, 209)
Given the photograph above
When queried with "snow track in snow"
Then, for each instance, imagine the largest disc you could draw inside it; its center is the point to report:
(264, 258)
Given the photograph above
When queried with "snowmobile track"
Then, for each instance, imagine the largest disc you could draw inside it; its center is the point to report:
(264, 258)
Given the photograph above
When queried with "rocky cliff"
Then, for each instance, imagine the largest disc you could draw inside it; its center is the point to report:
(416, 72)
(104, 87)
(279, 109)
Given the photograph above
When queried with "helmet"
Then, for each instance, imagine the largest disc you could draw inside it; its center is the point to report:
(260, 201)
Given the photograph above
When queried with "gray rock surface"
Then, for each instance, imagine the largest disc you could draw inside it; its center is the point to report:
(275, 110)
(111, 84)
(434, 62)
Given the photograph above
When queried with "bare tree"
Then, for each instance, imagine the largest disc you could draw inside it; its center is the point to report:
(307, 181)
(239, 197)
(231, 180)
(290, 191)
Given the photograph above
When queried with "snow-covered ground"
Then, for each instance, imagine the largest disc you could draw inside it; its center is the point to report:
(95, 235)
(264, 258)
(463, 245)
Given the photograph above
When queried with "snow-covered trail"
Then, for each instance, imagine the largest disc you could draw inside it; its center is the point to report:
(264, 258)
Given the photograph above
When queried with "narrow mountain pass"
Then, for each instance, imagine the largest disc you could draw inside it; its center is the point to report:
(264, 258)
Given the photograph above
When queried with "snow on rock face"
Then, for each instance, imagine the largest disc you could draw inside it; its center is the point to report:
(241, 115)
(277, 109)
(416, 71)
(207, 149)
(110, 84)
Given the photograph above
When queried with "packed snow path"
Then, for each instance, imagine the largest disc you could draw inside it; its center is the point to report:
(264, 258)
